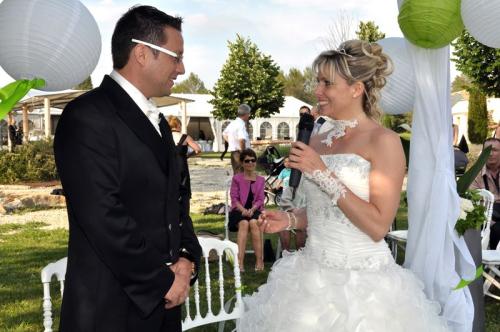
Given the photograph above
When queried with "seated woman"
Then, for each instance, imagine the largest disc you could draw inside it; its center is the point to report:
(247, 201)
(183, 141)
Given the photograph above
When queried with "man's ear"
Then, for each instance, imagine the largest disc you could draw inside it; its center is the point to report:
(139, 54)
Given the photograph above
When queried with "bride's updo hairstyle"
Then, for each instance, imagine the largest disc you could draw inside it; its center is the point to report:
(358, 61)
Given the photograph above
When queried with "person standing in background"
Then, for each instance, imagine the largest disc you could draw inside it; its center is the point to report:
(182, 142)
(236, 135)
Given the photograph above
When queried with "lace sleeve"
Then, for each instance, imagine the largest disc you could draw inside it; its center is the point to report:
(329, 183)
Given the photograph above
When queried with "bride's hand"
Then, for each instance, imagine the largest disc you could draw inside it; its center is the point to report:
(272, 221)
(305, 159)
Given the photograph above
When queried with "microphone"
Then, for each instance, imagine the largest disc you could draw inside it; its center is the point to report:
(306, 125)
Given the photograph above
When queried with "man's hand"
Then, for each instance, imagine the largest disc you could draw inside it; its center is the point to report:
(179, 290)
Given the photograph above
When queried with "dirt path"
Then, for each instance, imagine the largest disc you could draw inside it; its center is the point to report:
(209, 178)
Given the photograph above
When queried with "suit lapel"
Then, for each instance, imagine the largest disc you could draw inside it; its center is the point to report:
(137, 121)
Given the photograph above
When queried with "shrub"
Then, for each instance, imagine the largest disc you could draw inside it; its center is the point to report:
(31, 162)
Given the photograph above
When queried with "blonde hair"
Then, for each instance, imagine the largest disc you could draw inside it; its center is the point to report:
(358, 61)
(174, 122)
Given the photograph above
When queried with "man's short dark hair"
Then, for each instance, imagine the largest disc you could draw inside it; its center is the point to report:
(306, 108)
(145, 23)
(491, 139)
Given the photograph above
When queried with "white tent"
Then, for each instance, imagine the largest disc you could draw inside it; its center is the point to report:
(199, 119)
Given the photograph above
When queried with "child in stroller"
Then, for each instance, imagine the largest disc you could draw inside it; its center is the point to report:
(273, 163)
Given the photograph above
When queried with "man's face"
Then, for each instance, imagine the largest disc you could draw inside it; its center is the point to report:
(494, 158)
(162, 70)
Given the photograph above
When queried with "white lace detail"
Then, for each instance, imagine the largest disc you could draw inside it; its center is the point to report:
(338, 129)
(327, 181)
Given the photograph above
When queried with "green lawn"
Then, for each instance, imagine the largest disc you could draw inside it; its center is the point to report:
(26, 249)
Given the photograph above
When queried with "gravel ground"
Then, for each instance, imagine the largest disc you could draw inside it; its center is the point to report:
(209, 178)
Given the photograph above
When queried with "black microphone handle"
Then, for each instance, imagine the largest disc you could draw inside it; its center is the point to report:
(295, 175)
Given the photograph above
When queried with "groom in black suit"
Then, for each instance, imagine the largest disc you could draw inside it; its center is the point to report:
(132, 251)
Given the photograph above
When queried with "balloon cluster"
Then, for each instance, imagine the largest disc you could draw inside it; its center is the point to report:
(433, 24)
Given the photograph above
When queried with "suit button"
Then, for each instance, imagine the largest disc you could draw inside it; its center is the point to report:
(171, 253)
(180, 198)
(169, 227)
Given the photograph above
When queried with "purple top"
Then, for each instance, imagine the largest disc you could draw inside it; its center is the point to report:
(240, 188)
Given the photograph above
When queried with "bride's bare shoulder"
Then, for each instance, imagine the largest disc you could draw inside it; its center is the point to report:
(385, 141)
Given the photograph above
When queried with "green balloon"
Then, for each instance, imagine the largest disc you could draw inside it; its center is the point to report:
(431, 23)
(15, 91)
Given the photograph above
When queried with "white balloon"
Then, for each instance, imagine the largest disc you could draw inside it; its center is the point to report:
(482, 20)
(398, 95)
(57, 40)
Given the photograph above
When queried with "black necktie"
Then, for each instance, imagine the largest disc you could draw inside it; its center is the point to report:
(166, 133)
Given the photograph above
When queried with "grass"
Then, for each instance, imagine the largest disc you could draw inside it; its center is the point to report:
(26, 249)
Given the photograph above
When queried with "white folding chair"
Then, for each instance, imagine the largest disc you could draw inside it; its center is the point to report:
(397, 238)
(224, 314)
(59, 270)
(491, 257)
(487, 200)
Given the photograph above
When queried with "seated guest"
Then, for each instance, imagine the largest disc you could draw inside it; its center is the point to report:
(488, 179)
(247, 202)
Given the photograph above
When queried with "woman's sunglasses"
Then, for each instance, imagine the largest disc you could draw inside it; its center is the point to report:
(248, 161)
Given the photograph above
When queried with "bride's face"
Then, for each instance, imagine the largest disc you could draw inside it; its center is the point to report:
(334, 95)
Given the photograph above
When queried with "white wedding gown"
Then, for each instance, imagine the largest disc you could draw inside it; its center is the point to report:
(342, 280)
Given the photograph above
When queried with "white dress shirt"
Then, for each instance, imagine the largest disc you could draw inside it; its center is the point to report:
(235, 132)
(147, 106)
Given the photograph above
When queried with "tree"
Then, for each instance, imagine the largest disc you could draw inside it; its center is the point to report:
(85, 85)
(341, 30)
(299, 84)
(369, 31)
(479, 62)
(461, 82)
(477, 119)
(249, 77)
(192, 84)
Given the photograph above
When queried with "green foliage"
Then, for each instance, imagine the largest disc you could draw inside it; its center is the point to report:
(394, 122)
(475, 218)
(299, 84)
(192, 84)
(250, 77)
(479, 62)
(466, 180)
(29, 163)
(477, 119)
(461, 82)
(369, 31)
(85, 85)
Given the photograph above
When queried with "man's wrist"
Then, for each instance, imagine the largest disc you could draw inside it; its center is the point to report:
(183, 253)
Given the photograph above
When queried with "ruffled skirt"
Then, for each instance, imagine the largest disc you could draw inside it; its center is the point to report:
(304, 295)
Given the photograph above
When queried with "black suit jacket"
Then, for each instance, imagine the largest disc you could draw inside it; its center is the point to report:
(127, 215)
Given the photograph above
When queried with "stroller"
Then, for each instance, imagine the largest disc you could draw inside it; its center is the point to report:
(273, 163)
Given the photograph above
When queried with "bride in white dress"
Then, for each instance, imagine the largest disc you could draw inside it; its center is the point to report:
(345, 278)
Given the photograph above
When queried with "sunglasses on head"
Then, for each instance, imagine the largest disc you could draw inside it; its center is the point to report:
(248, 161)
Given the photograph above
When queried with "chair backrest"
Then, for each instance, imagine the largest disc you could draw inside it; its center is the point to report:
(487, 200)
(224, 313)
(59, 270)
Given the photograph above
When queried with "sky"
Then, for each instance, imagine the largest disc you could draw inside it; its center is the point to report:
(292, 32)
